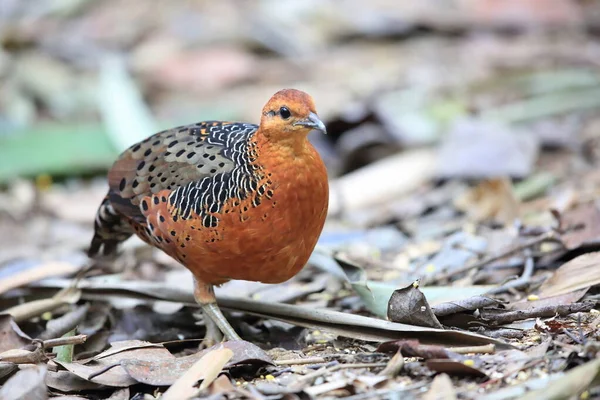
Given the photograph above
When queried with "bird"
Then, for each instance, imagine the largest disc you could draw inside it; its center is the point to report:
(227, 200)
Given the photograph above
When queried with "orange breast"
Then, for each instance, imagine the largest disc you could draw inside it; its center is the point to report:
(268, 243)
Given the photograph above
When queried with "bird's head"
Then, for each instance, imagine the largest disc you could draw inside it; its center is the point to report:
(290, 114)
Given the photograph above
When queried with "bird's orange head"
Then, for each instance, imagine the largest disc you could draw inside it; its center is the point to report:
(290, 115)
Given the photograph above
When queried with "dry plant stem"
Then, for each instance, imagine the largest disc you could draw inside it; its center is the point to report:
(78, 339)
(523, 281)
(572, 336)
(505, 333)
(301, 361)
(445, 276)
(486, 349)
(537, 312)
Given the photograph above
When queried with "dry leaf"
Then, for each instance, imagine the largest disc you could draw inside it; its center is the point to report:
(409, 306)
(579, 273)
(26, 384)
(582, 224)
(164, 372)
(207, 369)
(573, 382)
(492, 199)
(441, 389)
(11, 336)
(106, 369)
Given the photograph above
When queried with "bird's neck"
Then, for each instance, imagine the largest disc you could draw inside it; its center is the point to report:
(291, 147)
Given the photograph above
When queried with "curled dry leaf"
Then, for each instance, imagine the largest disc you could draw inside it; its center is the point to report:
(409, 306)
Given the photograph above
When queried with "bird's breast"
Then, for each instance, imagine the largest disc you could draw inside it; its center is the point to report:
(268, 240)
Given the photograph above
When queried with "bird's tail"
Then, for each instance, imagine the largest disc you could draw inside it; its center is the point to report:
(110, 229)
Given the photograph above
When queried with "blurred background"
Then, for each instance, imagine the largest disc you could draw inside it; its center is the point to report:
(422, 100)
(457, 129)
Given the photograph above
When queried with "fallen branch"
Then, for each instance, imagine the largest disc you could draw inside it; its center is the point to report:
(63, 341)
(536, 312)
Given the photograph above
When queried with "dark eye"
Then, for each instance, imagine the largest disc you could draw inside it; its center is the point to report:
(285, 113)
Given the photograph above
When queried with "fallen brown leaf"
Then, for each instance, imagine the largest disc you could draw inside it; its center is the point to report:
(441, 389)
(492, 199)
(206, 369)
(106, 369)
(582, 224)
(579, 273)
(11, 336)
(164, 372)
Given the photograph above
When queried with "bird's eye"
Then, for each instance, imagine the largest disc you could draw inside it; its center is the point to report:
(285, 113)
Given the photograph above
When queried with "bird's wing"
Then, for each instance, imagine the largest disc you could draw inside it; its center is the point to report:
(183, 163)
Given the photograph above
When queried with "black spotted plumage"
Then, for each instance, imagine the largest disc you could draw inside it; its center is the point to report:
(202, 165)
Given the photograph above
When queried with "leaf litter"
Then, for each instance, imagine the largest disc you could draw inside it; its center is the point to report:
(479, 152)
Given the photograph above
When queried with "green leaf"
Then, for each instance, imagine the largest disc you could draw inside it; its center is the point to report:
(65, 353)
(55, 150)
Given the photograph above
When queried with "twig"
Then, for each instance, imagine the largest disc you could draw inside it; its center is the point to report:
(485, 349)
(504, 333)
(523, 281)
(301, 361)
(551, 235)
(63, 341)
(536, 312)
(570, 335)
(103, 370)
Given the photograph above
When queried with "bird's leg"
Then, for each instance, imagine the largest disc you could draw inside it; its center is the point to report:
(213, 333)
(205, 296)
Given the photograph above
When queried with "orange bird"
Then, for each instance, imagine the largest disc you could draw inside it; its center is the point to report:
(228, 200)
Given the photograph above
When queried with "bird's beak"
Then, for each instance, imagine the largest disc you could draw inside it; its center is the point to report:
(313, 122)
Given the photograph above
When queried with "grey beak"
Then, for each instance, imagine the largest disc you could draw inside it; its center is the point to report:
(313, 122)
